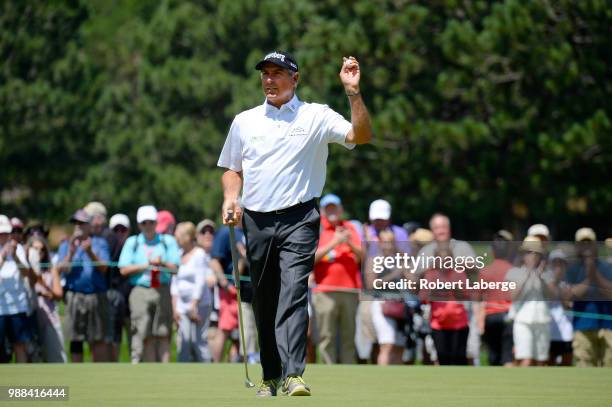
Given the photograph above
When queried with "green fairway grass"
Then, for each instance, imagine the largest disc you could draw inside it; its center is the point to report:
(182, 385)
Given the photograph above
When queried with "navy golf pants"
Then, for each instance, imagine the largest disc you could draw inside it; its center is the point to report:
(280, 247)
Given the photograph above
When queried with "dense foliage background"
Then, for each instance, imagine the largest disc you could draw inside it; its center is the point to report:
(498, 113)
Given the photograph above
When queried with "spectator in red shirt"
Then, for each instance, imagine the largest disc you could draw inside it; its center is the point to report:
(337, 277)
(493, 322)
(449, 318)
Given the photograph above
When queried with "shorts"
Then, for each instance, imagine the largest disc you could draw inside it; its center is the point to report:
(16, 328)
(387, 330)
(365, 333)
(228, 312)
(151, 312)
(87, 317)
(593, 347)
(531, 341)
(558, 348)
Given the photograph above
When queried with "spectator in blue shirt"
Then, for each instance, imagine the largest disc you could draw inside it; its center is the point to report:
(149, 259)
(84, 261)
(589, 283)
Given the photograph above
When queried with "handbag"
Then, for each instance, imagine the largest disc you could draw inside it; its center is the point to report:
(394, 309)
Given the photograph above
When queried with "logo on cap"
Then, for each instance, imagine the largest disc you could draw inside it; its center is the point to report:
(275, 55)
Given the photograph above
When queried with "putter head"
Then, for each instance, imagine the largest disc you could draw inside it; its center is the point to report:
(249, 384)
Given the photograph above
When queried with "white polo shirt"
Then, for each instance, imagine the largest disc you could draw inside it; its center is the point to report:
(282, 153)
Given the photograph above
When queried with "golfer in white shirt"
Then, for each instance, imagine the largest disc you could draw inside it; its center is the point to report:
(276, 153)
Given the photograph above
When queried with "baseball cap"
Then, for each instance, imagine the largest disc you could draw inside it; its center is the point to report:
(146, 212)
(422, 235)
(204, 223)
(504, 234)
(96, 209)
(119, 219)
(36, 227)
(380, 209)
(532, 244)
(330, 199)
(538, 230)
(557, 254)
(280, 58)
(5, 224)
(16, 223)
(164, 219)
(80, 216)
(585, 234)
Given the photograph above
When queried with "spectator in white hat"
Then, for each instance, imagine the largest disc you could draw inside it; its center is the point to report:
(529, 310)
(17, 232)
(380, 219)
(206, 234)
(15, 275)
(148, 259)
(84, 263)
(540, 231)
(97, 212)
(119, 287)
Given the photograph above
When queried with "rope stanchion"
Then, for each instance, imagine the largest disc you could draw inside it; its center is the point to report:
(97, 263)
(323, 286)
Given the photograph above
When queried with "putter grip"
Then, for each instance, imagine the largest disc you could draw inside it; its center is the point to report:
(230, 215)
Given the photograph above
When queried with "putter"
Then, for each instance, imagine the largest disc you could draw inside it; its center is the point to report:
(236, 273)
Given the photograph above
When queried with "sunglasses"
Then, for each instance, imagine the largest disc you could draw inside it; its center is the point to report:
(147, 222)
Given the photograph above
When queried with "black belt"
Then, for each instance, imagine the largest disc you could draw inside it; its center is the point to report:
(312, 202)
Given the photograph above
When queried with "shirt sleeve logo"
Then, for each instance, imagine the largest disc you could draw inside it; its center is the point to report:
(257, 139)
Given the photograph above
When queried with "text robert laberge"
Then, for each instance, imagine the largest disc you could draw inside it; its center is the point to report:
(413, 264)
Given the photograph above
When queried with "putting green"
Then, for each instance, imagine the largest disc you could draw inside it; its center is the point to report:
(183, 385)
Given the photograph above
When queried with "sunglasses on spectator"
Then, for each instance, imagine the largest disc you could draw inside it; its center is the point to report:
(147, 222)
(120, 229)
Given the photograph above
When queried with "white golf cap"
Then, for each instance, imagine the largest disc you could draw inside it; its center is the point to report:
(557, 254)
(146, 212)
(538, 230)
(119, 219)
(5, 224)
(585, 234)
(204, 223)
(380, 209)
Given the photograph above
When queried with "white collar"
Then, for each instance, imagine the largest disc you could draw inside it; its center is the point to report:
(292, 105)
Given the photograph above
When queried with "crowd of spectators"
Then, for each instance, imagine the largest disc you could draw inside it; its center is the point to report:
(139, 285)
